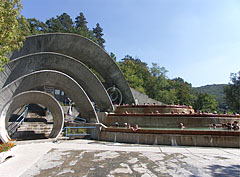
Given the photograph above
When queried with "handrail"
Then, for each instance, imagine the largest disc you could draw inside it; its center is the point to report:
(13, 126)
(70, 134)
(76, 119)
(79, 119)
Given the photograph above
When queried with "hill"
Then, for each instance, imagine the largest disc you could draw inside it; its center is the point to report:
(216, 90)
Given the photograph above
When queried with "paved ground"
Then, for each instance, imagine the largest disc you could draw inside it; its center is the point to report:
(94, 158)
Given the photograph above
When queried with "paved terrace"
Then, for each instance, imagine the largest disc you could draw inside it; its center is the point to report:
(96, 158)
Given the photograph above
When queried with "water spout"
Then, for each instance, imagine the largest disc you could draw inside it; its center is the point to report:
(155, 141)
(173, 141)
(115, 138)
(138, 139)
(211, 141)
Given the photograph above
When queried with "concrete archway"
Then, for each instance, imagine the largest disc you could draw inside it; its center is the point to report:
(35, 97)
(84, 50)
(59, 62)
(55, 79)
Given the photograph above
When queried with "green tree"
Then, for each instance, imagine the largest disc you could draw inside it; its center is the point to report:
(36, 26)
(98, 34)
(81, 22)
(66, 22)
(182, 90)
(135, 72)
(232, 92)
(11, 34)
(113, 56)
(62, 23)
(157, 71)
(53, 25)
(205, 102)
(81, 25)
(157, 85)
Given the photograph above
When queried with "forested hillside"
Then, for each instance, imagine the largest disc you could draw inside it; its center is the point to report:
(216, 90)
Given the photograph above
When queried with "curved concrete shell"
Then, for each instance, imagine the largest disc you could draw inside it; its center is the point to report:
(84, 50)
(55, 79)
(68, 65)
(35, 97)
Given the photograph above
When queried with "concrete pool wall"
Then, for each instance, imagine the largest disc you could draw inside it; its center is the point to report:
(172, 139)
(169, 120)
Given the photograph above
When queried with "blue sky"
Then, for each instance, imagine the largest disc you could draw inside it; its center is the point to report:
(198, 40)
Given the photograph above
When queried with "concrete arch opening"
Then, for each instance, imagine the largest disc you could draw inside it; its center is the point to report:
(55, 79)
(32, 97)
(59, 62)
(81, 49)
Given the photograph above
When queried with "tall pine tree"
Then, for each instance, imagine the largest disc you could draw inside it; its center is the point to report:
(81, 25)
(81, 22)
(66, 22)
(98, 34)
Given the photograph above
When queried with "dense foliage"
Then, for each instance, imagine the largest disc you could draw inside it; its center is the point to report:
(216, 90)
(11, 24)
(232, 92)
(65, 24)
(205, 102)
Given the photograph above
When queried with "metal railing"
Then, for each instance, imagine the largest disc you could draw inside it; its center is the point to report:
(76, 119)
(16, 124)
(78, 134)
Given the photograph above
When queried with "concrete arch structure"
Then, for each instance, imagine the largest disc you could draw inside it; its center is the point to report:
(35, 97)
(55, 79)
(59, 62)
(81, 49)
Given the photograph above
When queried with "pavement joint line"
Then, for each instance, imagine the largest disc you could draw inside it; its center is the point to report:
(160, 149)
(188, 151)
(231, 153)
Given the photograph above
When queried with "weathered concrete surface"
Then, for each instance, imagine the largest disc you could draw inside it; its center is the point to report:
(33, 97)
(84, 50)
(153, 109)
(141, 98)
(94, 158)
(167, 120)
(59, 62)
(172, 139)
(55, 79)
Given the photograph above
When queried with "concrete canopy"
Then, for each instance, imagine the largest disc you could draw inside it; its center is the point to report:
(35, 97)
(59, 62)
(84, 50)
(55, 79)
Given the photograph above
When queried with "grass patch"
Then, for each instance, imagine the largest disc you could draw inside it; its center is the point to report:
(75, 131)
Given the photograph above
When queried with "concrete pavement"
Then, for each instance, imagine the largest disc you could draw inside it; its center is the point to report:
(96, 158)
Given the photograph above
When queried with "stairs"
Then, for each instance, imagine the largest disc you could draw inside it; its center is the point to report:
(33, 130)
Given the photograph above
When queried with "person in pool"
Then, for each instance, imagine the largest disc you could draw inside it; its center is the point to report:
(181, 125)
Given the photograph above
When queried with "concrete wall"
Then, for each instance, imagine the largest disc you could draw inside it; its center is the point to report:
(59, 62)
(55, 79)
(174, 140)
(167, 121)
(141, 98)
(32, 97)
(81, 49)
